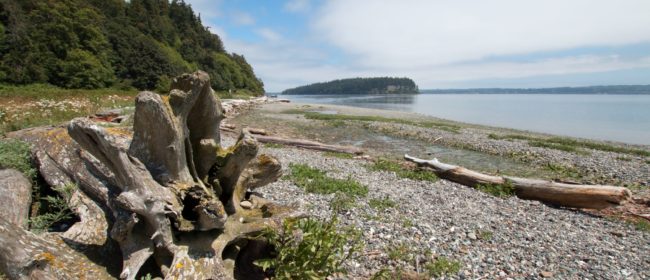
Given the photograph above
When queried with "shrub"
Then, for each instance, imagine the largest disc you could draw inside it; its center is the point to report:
(309, 249)
(57, 209)
(16, 154)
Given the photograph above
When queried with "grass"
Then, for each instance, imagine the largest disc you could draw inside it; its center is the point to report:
(339, 117)
(342, 202)
(622, 158)
(273, 145)
(382, 203)
(316, 181)
(485, 235)
(642, 225)
(499, 190)
(398, 251)
(563, 171)
(556, 146)
(16, 154)
(39, 104)
(407, 223)
(442, 266)
(237, 94)
(338, 155)
(383, 164)
(569, 144)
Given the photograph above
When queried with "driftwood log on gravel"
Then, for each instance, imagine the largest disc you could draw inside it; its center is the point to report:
(163, 200)
(15, 196)
(307, 144)
(561, 194)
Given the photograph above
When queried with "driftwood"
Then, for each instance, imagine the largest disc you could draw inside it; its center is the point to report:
(308, 144)
(168, 196)
(15, 196)
(561, 194)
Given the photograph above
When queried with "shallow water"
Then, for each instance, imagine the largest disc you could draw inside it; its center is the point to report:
(622, 118)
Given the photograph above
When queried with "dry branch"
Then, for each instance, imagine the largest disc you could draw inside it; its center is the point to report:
(561, 194)
(308, 144)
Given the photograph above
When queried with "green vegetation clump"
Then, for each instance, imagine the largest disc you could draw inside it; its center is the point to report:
(273, 145)
(342, 202)
(442, 266)
(642, 225)
(570, 145)
(16, 154)
(499, 190)
(316, 181)
(402, 171)
(98, 44)
(382, 204)
(338, 155)
(563, 171)
(358, 86)
(339, 117)
(55, 210)
(310, 249)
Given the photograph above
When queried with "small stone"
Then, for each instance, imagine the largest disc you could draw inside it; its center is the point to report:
(471, 236)
(546, 274)
(246, 204)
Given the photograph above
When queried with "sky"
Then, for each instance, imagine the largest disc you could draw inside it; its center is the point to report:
(439, 44)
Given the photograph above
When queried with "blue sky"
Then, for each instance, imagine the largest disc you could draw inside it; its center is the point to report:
(439, 44)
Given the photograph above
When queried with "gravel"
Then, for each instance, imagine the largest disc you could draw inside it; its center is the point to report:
(492, 238)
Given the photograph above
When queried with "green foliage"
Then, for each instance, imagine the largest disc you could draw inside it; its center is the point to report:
(382, 203)
(642, 225)
(342, 202)
(94, 44)
(316, 181)
(442, 266)
(334, 117)
(563, 171)
(383, 164)
(569, 144)
(310, 249)
(338, 155)
(499, 190)
(57, 209)
(485, 235)
(273, 145)
(358, 86)
(16, 154)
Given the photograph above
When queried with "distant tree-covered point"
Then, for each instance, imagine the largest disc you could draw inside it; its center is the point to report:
(383, 85)
(613, 89)
(113, 43)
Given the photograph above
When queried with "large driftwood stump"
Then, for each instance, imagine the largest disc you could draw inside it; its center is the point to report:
(164, 201)
(561, 194)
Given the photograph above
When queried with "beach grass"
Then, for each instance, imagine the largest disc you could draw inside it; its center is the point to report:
(569, 144)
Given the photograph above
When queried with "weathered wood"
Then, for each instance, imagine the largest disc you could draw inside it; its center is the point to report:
(25, 255)
(561, 194)
(15, 196)
(308, 144)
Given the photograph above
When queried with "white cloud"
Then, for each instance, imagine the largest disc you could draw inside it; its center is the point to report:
(242, 18)
(407, 33)
(268, 34)
(297, 6)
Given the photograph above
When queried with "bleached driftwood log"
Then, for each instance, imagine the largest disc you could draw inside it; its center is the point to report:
(307, 144)
(561, 194)
(168, 195)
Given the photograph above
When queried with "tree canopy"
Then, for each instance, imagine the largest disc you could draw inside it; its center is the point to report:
(381, 85)
(102, 43)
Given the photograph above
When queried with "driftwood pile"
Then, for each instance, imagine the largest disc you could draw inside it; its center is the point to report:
(166, 201)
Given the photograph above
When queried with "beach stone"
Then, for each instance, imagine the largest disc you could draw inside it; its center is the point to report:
(546, 274)
(246, 204)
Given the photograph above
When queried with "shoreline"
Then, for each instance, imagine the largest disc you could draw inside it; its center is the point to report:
(394, 131)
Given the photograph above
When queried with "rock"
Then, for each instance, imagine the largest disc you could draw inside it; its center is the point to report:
(246, 204)
(472, 236)
(546, 274)
(15, 196)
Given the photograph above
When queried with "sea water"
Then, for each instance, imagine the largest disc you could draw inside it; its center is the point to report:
(622, 118)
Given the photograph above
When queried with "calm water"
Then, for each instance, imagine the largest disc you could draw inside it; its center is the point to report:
(623, 118)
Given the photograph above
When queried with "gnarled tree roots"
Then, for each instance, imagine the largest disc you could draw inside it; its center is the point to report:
(170, 199)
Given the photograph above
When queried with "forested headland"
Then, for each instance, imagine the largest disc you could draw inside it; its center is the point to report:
(113, 43)
(382, 85)
(613, 89)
